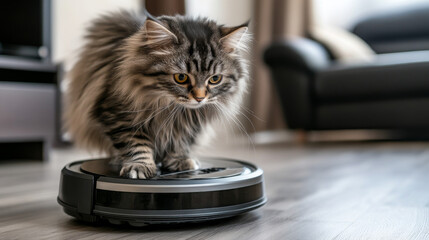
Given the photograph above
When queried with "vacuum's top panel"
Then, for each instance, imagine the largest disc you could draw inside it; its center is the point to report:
(210, 169)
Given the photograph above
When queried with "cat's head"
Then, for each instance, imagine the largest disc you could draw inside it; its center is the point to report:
(189, 62)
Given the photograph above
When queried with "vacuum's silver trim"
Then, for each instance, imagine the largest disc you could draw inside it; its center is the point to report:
(251, 179)
(183, 213)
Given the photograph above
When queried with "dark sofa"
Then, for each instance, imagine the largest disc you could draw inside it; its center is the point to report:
(400, 30)
(317, 93)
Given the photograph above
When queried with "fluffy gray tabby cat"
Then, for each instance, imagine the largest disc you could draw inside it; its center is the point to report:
(144, 90)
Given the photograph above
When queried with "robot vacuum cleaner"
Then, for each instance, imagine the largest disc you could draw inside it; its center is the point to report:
(92, 191)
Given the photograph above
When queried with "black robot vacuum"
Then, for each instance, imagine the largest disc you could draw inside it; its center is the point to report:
(92, 191)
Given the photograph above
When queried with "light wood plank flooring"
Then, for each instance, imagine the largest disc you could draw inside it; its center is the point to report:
(377, 190)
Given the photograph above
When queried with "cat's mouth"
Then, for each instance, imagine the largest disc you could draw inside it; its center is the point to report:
(192, 103)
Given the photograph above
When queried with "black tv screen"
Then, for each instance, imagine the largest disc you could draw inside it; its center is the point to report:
(22, 26)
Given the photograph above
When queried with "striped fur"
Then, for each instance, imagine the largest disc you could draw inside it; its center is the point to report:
(123, 99)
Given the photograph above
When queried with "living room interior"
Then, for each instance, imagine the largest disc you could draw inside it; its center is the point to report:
(336, 115)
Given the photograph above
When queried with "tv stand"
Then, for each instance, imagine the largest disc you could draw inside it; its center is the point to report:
(29, 107)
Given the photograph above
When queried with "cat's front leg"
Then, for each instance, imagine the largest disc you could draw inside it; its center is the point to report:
(177, 163)
(138, 163)
(135, 155)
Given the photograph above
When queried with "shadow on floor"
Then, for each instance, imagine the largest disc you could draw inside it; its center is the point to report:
(107, 227)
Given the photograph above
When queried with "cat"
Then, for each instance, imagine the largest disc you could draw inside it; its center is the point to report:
(144, 89)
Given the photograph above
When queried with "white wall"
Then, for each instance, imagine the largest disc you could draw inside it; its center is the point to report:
(228, 12)
(71, 17)
(345, 13)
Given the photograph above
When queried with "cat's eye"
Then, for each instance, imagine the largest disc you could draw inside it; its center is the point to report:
(215, 79)
(180, 78)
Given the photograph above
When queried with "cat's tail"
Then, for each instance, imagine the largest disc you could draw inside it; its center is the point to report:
(113, 27)
(104, 38)
(87, 79)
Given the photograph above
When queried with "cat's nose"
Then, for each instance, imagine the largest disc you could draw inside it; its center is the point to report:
(199, 99)
(199, 94)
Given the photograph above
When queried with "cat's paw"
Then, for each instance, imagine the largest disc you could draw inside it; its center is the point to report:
(181, 164)
(138, 170)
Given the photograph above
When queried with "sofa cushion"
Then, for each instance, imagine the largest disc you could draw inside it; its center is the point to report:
(395, 75)
(343, 45)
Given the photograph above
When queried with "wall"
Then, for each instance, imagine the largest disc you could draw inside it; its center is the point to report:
(71, 17)
(229, 12)
(345, 13)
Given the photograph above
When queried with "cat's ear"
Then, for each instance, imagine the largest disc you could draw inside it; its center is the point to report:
(156, 34)
(234, 38)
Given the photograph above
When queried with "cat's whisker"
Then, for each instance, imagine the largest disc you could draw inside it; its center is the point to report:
(244, 115)
(238, 123)
(247, 118)
(152, 116)
(223, 120)
(170, 136)
(138, 111)
(247, 110)
(171, 114)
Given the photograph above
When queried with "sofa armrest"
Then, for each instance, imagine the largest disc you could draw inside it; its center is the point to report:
(300, 53)
(293, 64)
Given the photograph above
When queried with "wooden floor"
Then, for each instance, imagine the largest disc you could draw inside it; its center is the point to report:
(316, 191)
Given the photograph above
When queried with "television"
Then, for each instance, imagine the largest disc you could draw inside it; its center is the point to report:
(25, 29)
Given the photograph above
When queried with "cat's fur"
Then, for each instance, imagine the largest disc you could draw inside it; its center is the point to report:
(123, 99)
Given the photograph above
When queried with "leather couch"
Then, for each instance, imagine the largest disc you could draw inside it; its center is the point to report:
(317, 93)
(400, 30)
